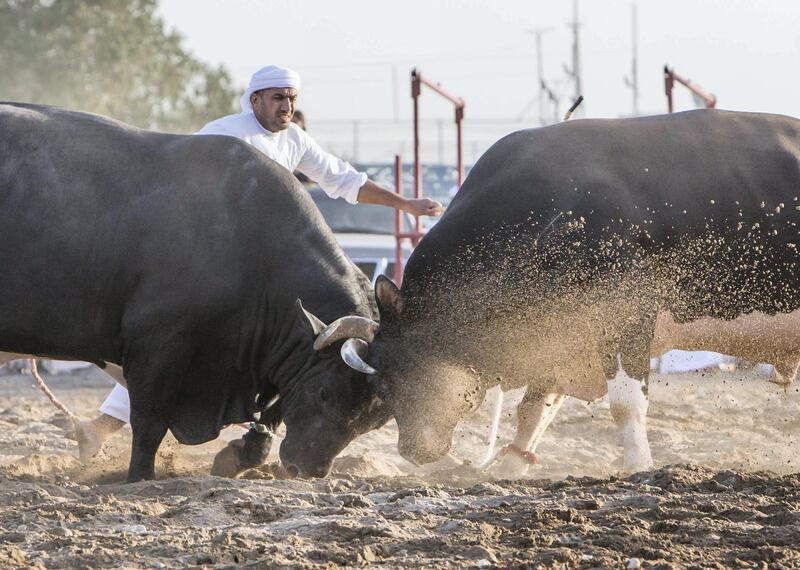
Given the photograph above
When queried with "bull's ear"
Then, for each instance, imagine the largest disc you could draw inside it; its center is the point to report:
(387, 295)
(317, 326)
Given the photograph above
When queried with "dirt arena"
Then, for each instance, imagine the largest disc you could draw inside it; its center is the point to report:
(726, 493)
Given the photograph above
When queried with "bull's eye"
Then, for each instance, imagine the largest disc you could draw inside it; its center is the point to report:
(323, 394)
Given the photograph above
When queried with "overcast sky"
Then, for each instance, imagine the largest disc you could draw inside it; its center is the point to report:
(355, 56)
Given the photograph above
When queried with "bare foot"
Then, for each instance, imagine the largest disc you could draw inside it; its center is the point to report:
(93, 434)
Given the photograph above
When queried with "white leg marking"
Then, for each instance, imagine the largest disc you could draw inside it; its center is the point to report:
(629, 409)
(493, 429)
(533, 419)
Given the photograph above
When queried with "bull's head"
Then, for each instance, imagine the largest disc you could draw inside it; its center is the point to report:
(425, 391)
(328, 401)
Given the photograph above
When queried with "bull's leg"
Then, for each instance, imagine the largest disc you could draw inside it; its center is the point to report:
(153, 369)
(491, 438)
(785, 372)
(534, 416)
(148, 431)
(627, 396)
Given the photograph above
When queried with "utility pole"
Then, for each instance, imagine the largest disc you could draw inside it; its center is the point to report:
(575, 72)
(538, 32)
(553, 99)
(633, 80)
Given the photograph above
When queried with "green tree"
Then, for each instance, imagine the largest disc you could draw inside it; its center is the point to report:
(112, 57)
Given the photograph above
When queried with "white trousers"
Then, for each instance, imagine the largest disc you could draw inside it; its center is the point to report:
(118, 404)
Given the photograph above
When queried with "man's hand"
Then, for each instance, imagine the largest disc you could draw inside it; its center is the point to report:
(371, 193)
(423, 207)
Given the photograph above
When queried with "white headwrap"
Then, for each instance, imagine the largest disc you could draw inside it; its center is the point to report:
(267, 78)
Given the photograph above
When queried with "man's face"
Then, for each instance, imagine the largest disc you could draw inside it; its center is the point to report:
(274, 107)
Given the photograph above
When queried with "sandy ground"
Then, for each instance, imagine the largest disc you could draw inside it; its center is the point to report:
(726, 493)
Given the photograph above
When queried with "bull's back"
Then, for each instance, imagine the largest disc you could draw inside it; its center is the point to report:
(68, 180)
(660, 171)
(660, 181)
(707, 199)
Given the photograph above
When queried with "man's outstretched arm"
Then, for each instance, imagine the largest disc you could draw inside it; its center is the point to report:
(371, 193)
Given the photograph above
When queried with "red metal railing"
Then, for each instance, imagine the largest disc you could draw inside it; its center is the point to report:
(417, 81)
(670, 77)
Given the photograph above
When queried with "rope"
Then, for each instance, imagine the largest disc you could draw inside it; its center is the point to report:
(50, 396)
(529, 457)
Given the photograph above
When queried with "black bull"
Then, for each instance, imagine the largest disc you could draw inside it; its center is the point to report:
(552, 263)
(181, 258)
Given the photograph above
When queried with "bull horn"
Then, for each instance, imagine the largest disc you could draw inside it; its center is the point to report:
(351, 326)
(352, 353)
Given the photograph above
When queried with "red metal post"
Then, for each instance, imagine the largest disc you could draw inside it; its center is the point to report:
(398, 251)
(416, 233)
(417, 80)
(460, 144)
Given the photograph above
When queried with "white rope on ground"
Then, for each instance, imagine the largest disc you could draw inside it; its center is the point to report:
(50, 396)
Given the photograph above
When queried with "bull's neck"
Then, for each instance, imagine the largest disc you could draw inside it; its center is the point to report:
(277, 341)
(272, 350)
(287, 353)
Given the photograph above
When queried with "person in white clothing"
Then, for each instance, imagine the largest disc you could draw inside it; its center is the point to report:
(265, 122)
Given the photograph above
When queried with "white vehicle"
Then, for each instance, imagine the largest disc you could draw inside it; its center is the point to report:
(365, 232)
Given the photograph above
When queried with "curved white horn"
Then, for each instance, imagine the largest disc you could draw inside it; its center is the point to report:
(351, 326)
(352, 351)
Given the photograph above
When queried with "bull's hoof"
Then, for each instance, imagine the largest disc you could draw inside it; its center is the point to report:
(637, 463)
(513, 463)
(135, 477)
(242, 454)
(509, 467)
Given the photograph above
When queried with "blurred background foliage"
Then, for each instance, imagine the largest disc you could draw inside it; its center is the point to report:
(112, 57)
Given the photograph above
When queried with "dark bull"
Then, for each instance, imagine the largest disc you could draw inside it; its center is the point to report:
(182, 259)
(551, 266)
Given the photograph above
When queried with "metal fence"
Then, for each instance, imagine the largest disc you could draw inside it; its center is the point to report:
(377, 141)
